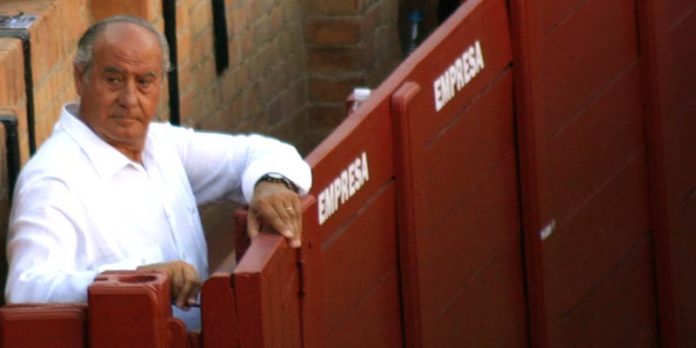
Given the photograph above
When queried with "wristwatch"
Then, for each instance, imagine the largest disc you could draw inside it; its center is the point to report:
(278, 179)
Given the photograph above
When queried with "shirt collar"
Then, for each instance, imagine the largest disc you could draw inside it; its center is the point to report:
(107, 161)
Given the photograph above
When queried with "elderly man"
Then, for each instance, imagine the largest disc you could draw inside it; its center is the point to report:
(109, 190)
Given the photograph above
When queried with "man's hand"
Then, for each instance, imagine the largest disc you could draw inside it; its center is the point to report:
(185, 281)
(278, 207)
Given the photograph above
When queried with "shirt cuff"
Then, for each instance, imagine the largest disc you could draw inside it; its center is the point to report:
(299, 175)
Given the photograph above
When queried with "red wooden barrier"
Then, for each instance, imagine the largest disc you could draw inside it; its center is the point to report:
(419, 221)
(457, 179)
(267, 287)
(350, 257)
(667, 36)
(584, 173)
(133, 309)
(39, 326)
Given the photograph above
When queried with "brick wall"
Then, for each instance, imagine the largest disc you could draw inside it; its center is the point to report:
(292, 63)
(349, 43)
(52, 39)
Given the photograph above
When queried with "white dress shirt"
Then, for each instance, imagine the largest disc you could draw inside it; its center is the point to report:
(81, 207)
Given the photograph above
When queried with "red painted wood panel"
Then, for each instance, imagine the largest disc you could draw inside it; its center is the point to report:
(593, 323)
(465, 221)
(38, 326)
(670, 45)
(267, 288)
(584, 172)
(458, 198)
(219, 327)
(129, 308)
(582, 57)
(350, 257)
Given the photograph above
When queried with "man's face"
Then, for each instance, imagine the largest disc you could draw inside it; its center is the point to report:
(120, 91)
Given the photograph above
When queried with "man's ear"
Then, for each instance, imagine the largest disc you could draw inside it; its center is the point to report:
(78, 74)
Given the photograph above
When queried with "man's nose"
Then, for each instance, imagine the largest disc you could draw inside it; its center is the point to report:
(128, 96)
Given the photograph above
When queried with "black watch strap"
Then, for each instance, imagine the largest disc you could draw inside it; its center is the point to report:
(278, 179)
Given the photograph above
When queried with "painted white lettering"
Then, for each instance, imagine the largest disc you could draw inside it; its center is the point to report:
(351, 179)
(437, 86)
(479, 55)
(337, 193)
(343, 187)
(460, 74)
(365, 170)
(456, 76)
(322, 207)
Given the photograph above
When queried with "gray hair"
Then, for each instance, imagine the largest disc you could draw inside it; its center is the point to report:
(85, 47)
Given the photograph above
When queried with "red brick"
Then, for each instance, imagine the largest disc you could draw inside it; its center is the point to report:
(202, 46)
(186, 73)
(322, 90)
(254, 9)
(238, 23)
(186, 105)
(323, 119)
(235, 52)
(333, 60)
(370, 20)
(262, 30)
(206, 75)
(277, 19)
(140, 8)
(201, 18)
(184, 48)
(333, 32)
(334, 7)
(248, 49)
(11, 71)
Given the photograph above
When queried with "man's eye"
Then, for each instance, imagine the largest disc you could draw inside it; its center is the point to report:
(114, 81)
(145, 83)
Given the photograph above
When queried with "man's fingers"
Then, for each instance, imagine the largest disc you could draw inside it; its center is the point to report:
(190, 287)
(278, 208)
(286, 214)
(252, 224)
(185, 281)
(296, 240)
(177, 283)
